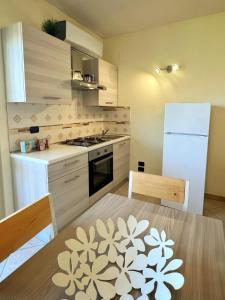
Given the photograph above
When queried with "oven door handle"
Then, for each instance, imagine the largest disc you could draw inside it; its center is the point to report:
(103, 160)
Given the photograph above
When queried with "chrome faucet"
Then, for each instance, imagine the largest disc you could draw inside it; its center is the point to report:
(104, 132)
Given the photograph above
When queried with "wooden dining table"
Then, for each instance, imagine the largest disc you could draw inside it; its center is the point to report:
(199, 242)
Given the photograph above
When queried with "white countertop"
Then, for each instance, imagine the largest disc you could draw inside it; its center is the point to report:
(58, 152)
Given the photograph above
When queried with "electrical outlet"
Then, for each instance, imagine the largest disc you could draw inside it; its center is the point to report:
(141, 169)
(141, 164)
(34, 129)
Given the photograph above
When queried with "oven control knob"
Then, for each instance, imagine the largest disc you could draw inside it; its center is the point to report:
(106, 150)
(98, 153)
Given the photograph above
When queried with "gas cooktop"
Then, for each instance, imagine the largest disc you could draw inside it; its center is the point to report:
(84, 141)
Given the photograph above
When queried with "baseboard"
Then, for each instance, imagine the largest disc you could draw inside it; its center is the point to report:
(214, 197)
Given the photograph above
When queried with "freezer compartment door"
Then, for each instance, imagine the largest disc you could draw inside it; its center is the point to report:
(187, 118)
(185, 157)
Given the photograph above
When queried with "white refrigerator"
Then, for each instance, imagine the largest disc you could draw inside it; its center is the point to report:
(186, 133)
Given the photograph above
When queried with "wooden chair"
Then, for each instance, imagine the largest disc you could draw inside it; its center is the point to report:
(170, 189)
(24, 224)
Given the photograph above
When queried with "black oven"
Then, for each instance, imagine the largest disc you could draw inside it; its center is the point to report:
(100, 168)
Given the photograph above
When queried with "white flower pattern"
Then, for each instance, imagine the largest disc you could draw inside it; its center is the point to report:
(163, 274)
(115, 254)
(87, 247)
(111, 240)
(135, 228)
(70, 279)
(162, 246)
(95, 276)
(130, 267)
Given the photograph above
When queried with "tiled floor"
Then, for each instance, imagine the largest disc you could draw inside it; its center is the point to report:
(212, 208)
(16, 259)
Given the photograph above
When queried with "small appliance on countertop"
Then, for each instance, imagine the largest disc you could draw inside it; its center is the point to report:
(77, 75)
(27, 146)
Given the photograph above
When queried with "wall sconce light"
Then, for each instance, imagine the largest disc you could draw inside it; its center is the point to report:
(168, 69)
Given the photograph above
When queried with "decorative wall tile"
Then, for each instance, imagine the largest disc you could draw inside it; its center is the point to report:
(17, 119)
(33, 118)
(57, 121)
(120, 114)
(118, 128)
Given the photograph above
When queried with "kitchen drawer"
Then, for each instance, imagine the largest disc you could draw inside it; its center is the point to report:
(72, 181)
(60, 169)
(70, 196)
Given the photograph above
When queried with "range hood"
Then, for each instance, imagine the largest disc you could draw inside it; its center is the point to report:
(86, 86)
(80, 39)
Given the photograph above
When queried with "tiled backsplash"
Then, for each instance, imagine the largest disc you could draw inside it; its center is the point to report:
(59, 122)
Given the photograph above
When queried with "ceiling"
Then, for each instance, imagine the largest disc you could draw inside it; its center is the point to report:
(109, 18)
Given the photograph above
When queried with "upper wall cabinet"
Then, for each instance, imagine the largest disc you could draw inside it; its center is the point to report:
(79, 39)
(37, 66)
(106, 75)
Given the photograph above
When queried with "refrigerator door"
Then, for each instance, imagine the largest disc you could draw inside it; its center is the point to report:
(185, 157)
(189, 118)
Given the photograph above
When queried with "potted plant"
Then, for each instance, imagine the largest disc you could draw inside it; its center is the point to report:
(50, 26)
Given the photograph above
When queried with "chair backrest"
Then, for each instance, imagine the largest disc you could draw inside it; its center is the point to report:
(171, 189)
(24, 224)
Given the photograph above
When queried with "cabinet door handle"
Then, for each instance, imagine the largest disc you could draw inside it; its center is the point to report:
(103, 160)
(108, 102)
(69, 163)
(71, 180)
(51, 98)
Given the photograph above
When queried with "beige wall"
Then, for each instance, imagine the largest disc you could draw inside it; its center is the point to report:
(199, 46)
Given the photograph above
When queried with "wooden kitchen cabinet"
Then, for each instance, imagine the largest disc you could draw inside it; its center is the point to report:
(106, 75)
(70, 196)
(121, 161)
(37, 66)
(66, 166)
(69, 186)
(67, 181)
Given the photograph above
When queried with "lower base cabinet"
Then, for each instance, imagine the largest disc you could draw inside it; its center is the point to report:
(70, 196)
(121, 161)
(67, 181)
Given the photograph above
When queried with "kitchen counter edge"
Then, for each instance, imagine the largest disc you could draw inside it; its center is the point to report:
(57, 152)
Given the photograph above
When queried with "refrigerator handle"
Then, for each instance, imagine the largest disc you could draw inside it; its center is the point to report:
(188, 134)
